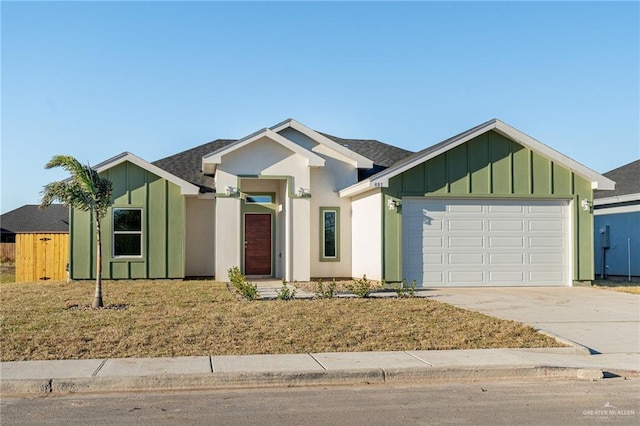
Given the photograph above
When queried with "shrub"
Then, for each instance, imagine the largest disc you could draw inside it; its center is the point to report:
(286, 293)
(405, 290)
(327, 292)
(246, 289)
(361, 287)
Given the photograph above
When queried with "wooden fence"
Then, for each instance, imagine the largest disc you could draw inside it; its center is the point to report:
(8, 251)
(41, 257)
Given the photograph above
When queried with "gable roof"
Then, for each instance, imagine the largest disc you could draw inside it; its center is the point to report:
(186, 188)
(30, 219)
(627, 180)
(359, 161)
(382, 179)
(213, 158)
(187, 164)
(380, 153)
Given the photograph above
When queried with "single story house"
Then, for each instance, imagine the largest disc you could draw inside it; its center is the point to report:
(488, 207)
(617, 225)
(40, 241)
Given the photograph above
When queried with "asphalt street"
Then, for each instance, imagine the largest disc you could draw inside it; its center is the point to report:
(478, 403)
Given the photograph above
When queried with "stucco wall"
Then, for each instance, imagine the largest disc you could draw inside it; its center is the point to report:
(200, 237)
(623, 254)
(366, 223)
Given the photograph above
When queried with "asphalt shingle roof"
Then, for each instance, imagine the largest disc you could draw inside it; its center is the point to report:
(187, 164)
(30, 219)
(627, 179)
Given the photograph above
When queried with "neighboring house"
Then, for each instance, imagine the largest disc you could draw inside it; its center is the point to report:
(40, 239)
(490, 206)
(617, 225)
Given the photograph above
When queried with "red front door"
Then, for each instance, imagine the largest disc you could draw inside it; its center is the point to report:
(257, 244)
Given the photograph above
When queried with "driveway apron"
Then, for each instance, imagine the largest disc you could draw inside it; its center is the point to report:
(605, 321)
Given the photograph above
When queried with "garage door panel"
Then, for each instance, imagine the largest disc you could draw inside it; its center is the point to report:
(546, 242)
(466, 277)
(549, 277)
(506, 242)
(466, 225)
(466, 242)
(463, 208)
(466, 259)
(433, 258)
(486, 242)
(506, 209)
(545, 259)
(506, 259)
(505, 225)
(433, 279)
(507, 277)
(546, 225)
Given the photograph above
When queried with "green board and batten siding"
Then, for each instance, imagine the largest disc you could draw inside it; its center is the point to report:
(489, 165)
(163, 231)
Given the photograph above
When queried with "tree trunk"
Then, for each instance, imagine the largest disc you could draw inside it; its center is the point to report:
(97, 300)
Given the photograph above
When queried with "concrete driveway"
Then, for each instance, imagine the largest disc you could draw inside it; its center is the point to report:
(605, 321)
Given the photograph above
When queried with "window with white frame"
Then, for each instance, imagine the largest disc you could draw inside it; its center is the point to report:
(127, 232)
(330, 233)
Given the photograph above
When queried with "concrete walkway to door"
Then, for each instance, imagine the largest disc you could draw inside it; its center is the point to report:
(605, 321)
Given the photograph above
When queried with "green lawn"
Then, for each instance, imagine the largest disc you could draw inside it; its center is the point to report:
(179, 318)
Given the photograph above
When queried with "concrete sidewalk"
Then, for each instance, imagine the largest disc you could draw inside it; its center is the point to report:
(210, 372)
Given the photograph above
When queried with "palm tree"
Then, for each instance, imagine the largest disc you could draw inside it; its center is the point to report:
(85, 190)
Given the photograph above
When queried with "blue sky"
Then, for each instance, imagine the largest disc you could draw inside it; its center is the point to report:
(154, 78)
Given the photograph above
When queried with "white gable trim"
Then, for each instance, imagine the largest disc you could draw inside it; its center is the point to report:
(186, 188)
(357, 160)
(382, 179)
(313, 160)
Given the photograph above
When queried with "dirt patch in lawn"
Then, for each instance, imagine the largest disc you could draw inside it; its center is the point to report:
(632, 287)
(182, 318)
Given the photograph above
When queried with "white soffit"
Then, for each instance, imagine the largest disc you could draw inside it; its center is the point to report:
(381, 179)
(186, 188)
(356, 159)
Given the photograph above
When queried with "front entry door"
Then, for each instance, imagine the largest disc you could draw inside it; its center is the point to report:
(257, 244)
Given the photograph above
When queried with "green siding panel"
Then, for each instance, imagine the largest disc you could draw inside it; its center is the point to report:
(81, 259)
(541, 170)
(175, 233)
(157, 221)
(478, 150)
(436, 175)
(521, 169)
(413, 181)
(500, 148)
(457, 170)
(561, 180)
(163, 229)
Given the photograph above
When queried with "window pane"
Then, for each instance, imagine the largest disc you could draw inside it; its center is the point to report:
(259, 199)
(127, 220)
(329, 234)
(127, 245)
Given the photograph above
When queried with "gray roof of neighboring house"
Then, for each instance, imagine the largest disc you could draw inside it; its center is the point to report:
(29, 219)
(187, 164)
(627, 179)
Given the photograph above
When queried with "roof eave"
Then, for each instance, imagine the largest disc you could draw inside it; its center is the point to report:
(186, 188)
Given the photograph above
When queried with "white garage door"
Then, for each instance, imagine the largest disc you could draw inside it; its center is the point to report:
(486, 242)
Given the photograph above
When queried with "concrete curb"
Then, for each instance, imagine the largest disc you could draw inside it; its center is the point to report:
(578, 349)
(374, 376)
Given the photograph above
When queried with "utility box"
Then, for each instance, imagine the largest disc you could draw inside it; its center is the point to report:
(604, 237)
